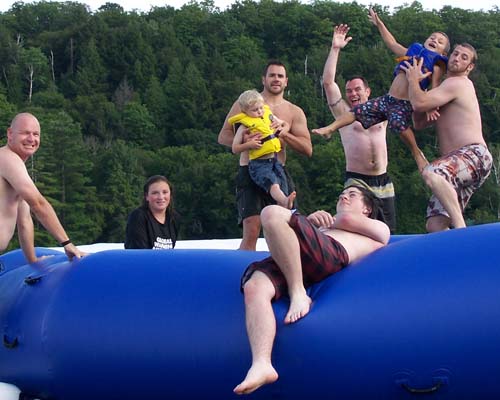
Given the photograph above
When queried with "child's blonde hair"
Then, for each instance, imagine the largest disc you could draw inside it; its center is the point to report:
(249, 98)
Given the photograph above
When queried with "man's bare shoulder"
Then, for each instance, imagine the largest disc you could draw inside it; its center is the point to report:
(6, 155)
(457, 83)
(339, 107)
(292, 110)
(10, 163)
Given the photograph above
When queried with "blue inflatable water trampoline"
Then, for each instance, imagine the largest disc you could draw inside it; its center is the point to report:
(420, 317)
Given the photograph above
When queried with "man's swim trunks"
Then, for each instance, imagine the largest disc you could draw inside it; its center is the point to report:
(250, 199)
(383, 188)
(385, 108)
(321, 256)
(466, 169)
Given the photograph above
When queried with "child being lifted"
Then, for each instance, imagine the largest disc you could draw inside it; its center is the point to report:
(263, 166)
(395, 107)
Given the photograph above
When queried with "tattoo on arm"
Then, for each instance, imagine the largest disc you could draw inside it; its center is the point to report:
(331, 105)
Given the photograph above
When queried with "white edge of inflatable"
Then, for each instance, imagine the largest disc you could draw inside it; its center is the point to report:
(220, 244)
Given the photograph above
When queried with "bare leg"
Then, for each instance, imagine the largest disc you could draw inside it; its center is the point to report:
(447, 195)
(261, 329)
(437, 223)
(280, 197)
(408, 137)
(251, 231)
(285, 250)
(345, 119)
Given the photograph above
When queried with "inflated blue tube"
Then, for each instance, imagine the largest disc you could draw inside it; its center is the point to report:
(421, 315)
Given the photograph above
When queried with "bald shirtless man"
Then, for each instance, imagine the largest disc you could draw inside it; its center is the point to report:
(304, 251)
(465, 161)
(365, 149)
(249, 197)
(19, 195)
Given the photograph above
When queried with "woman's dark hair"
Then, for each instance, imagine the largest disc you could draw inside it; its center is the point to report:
(154, 179)
(370, 200)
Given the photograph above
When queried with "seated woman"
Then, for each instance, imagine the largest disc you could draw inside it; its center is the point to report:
(155, 224)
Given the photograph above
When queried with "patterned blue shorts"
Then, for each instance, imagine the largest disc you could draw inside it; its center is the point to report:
(385, 108)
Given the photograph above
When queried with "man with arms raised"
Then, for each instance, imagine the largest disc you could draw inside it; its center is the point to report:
(304, 251)
(250, 199)
(465, 161)
(365, 149)
(18, 193)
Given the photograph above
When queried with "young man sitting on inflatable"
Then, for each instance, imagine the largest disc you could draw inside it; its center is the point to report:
(304, 251)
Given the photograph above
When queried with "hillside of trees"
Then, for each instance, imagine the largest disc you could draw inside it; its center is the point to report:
(124, 95)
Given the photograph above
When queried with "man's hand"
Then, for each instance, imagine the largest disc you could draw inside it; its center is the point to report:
(373, 17)
(72, 251)
(339, 39)
(282, 128)
(322, 219)
(413, 70)
(277, 123)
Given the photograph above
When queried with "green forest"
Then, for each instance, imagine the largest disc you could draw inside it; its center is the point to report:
(124, 95)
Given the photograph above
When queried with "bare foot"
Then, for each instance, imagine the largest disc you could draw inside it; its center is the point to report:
(287, 201)
(326, 132)
(291, 198)
(258, 375)
(299, 308)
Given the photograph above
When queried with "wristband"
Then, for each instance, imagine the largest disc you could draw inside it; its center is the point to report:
(66, 242)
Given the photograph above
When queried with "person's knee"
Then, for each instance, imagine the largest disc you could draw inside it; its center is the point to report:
(430, 177)
(258, 287)
(270, 215)
(251, 225)
(437, 223)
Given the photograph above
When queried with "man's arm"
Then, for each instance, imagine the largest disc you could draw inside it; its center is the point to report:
(357, 223)
(434, 98)
(226, 134)
(298, 136)
(26, 232)
(333, 94)
(387, 37)
(321, 219)
(16, 174)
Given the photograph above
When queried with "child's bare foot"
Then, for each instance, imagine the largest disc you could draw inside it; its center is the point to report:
(299, 308)
(287, 201)
(258, 375)
(291, 198)
(326, 132)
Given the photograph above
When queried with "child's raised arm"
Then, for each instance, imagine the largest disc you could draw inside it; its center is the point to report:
(387, 36)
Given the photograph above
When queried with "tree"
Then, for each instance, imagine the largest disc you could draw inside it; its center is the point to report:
(120, 176)
(34, 68)
(62, 170)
